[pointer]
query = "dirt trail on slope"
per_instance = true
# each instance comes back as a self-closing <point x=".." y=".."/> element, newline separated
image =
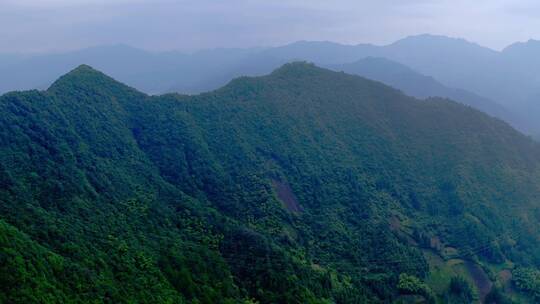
<point x="480" y="278"/>
<point x="286" y="195"/>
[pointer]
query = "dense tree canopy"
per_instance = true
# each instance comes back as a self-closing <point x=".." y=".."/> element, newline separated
<point x="303" y="186"/>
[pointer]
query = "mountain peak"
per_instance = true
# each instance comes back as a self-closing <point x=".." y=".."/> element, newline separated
<point x="439" y="42"/>
<point x="430" y="37"/>
<point x="296" y="68"/>
<point x="84" y="68"/>
<point x="531" y="46"/>
<point x="84" y="77"/>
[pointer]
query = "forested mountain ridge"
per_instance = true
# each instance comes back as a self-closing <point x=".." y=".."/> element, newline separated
<point x="420" y="86"/>
<point x="509" y="77"/>
<point x="302" y="186"/>
<point x="480" y="76"/>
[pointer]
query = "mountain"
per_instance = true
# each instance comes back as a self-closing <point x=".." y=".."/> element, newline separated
<point x="377" y="68"/>
<point x="301" y="186"/>
<point x="150" y="72"/>
<point x="322" y="52"/>
<point x="521" y="79"/>
<point x="415" y="84"/>
<point x="450" y="60"/>
<point x="509" y="77"/>
<point x="455" y="62"/>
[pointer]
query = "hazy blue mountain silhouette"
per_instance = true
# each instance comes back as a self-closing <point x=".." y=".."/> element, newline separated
<point x="421" y="86"/>
<point x="147" y="71"/>
<point x="509" y="77"/>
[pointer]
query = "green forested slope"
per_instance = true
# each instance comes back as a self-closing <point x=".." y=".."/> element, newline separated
<point x="302" y="186"/>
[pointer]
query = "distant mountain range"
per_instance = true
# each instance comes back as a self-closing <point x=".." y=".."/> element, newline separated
<point x="415" y="84"/>
<point x="476" y="75"/>
<point x="150" y="72"/>
<point x="510" y="77"/>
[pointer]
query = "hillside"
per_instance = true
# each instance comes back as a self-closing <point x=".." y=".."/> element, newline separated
<point x="302" y="186"/>
<point x="508" y="77"/>
<point x="420" y="86"/>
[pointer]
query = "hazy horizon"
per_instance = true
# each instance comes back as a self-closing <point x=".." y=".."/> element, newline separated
<point x="32" y="26"/>
<point x="255" y="47"/>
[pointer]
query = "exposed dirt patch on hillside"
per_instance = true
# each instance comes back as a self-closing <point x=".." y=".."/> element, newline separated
<point x="480" y="278"/>
<point x="286" y="195"/>
<point x="395" y="224"/>
<point x="435" y="243"/>
<point x="505" y="277"/>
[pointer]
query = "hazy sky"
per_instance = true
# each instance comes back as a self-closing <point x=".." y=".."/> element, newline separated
<point x="43" y="25"/>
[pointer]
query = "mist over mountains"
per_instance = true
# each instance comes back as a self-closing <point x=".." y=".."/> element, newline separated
<point x="150" y="72"/>
<point x="505" y="84"/>
<point x="418" y="85"/>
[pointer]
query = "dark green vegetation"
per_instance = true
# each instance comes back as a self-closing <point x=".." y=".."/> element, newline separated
<point x="420" y="86"/>
<point x="528" y="280"/>
<point x="303" y="186"/>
